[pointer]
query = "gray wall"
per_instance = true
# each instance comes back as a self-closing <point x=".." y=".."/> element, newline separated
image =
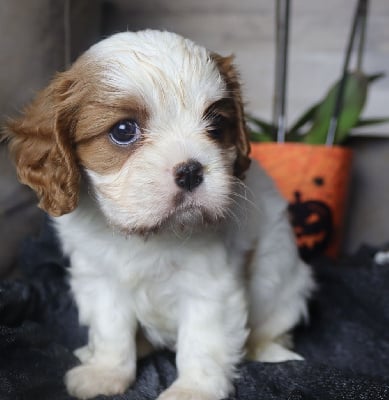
<point x="319" y="31"/>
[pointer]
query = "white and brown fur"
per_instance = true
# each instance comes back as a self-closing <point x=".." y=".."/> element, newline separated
<point x="212" y="273"/>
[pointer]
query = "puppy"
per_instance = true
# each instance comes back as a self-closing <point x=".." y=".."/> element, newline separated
<point x="139" y="152"/>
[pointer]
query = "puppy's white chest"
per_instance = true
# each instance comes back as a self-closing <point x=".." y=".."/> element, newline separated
<point x="156" y="307"/>
<point x="172" y="276"/>
<point x="180" y="278"/>
<point x="153" y="277"/>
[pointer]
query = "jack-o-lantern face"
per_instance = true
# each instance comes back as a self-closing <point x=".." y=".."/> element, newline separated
<point x="312" y="224"/>
<point x="314" y="180"/>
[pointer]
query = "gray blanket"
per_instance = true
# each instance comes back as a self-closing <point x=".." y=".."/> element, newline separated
<point x="346" y="344"/>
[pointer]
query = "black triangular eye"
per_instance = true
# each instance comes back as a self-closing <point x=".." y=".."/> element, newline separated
<point x="125" y="132"/>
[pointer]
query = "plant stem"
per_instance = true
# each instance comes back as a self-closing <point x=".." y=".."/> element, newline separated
<point x="362" y="39"/>
<point x="340" y="94"/>
<point x="282" y="39"/>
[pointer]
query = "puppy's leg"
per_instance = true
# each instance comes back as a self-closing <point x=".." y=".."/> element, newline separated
<point x="273" y="349"/>
<point x="210" y="342"/>
<point x="279" y="287"/>
<point x="269" y="340"/>
<point x="109" y="360"/>
<point x="84" y="354"/>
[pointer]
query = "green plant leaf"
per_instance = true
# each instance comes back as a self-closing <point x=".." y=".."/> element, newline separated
<point x="320" y="114"/>
<point x="293" y="134"/>
<point x="303" y="119"/>
<point x="262" y="124"/>
<point x="371" y="121"/>
<point x="260" y="137"/>
<point x="353" y="101"/>
<point x="374" y="77"/>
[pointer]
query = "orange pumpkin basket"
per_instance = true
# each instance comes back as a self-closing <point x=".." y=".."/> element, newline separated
<point x="315" y="181"/>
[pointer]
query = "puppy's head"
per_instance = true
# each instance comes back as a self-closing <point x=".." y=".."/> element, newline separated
<point x="152" y="121"/>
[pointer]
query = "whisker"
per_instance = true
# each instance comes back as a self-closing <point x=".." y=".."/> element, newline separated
<point x="248" y="201"/>
<point x="247" y="192"/>
<point x="234" y="218"/>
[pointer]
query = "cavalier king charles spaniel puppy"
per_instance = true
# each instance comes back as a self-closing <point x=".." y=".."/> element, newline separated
<point x="140" y="154"/>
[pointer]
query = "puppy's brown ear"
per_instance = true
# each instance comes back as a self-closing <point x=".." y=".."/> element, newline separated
<point x="231" y="77"/>
<point x="40" y="143"/>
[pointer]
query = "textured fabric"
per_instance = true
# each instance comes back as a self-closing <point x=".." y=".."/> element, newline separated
<point x="346" y="344"/>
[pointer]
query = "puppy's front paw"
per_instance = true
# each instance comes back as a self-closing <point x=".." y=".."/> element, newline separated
<point x="273" y="353"/>
<point x="87" y="381"/>
<point x="179" y="393"/>
<point x="84" y="354"/>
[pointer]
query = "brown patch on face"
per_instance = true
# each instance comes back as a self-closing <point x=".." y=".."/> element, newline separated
<point x="66" y="126"/>
<point x="95" y="150"/>
<point x="40" y="143"/>
<point x="222" y="118"/>
<point x="231" y="77"/>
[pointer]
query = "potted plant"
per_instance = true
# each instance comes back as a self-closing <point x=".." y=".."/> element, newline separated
<point x="307" y="161"/>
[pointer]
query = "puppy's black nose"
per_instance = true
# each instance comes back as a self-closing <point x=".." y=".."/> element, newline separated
<point x="188" y="175"/>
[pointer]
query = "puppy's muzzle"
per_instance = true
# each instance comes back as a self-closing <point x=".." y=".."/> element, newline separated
<point x="189" y="175"/>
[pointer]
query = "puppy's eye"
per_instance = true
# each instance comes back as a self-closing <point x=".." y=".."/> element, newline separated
<point x="125" y="132"/>
<point x="217" y="127"/>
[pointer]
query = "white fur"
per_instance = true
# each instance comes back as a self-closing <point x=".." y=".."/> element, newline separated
<point x="174" y="72"/>
<point x="184" y="285"/>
